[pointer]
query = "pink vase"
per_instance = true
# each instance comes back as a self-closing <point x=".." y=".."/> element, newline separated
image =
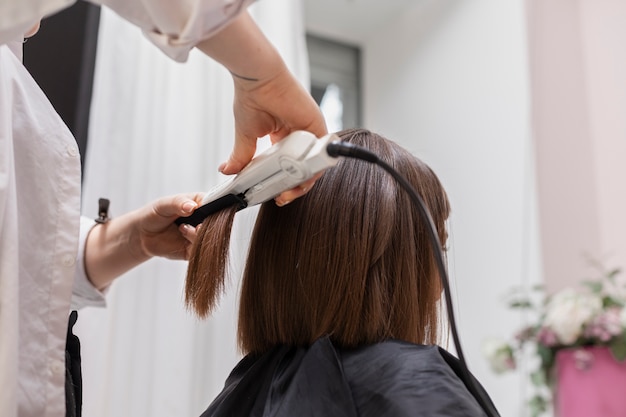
<point x="590" y="382"/>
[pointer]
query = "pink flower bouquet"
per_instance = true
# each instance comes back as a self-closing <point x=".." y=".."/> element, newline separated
<point x="593" y="314"/>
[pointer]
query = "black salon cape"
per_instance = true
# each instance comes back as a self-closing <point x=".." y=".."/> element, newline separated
<point x="392" y="378"/>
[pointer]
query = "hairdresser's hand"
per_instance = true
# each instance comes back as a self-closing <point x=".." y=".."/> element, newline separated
<point x="156" y="234"/>
<point x="268" y="98"/>
<point x="277" y="107"/>
<point x="124" y="242"/>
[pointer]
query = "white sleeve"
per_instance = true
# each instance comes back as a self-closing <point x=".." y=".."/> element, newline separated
<point x="84" y="293"/>
<point x="176" y="26"/>
<point x="17" y="16"/>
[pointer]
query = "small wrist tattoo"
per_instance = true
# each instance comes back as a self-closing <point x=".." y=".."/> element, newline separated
<point x="243" y="78"/>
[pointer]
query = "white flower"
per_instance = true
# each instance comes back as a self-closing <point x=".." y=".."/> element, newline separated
<point x="499" y="354"/>
<point x="568" y="311"/>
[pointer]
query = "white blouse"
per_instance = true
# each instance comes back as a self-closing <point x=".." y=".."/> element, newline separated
<point x="41" y="236"/>
<point x="39" y="240"/>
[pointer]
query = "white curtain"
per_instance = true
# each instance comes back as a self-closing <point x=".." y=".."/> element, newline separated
<point x="159" y="128"/>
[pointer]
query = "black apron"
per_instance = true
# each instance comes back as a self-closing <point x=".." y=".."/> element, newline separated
<point x="73" y="377"/>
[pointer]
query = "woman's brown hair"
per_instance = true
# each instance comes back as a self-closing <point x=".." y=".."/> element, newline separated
<point x="350" y="260"/>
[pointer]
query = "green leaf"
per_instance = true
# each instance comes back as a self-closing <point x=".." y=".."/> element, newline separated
<point x="609" y="301"/>
<point x="613" y="273"/>
<point x="537" y="405"/>
<point x="618" y="348"/>
<point x="547" y="356"/>
<point x="538" y="378"/>
<point x="521" y="304"/>
<point x="594" y="286"/>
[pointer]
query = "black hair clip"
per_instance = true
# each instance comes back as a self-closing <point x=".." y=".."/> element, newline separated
<point x="204" y="211"/>
<point x="103" y="210"/>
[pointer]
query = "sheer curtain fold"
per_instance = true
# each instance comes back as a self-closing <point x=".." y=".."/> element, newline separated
<point x="159" y="128"/>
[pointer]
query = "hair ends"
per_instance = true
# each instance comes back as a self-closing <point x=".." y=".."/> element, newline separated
<point x="207" y="269"/>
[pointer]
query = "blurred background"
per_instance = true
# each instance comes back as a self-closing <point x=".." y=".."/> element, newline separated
<point x="518" y="106"/>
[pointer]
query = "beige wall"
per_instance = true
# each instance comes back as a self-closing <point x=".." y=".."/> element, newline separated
<point x="578" y="93"/>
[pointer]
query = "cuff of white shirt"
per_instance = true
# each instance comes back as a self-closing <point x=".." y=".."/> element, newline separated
<point x="84" y="293"/>
<point x="208" y="19"/>
<point x="17" y="17"/>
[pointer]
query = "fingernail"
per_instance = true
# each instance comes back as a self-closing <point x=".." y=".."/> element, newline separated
<point x="188" y="206"/>
<point x="186" y="229"/>
<point x="222" y="167"/>
<point x="281" y="203"/>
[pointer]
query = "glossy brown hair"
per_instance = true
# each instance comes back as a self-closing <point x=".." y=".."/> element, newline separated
<point x="350" y="260"/>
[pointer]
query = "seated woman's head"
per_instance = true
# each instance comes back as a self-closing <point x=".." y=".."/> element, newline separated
<point x="350" y="260"/>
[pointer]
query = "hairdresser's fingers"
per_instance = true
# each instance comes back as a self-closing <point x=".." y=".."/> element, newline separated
<point x="177" y="205"/>
<point x="155" y="231"/>
<point x="297" y="192"/>
<point x="252" y="121"/>
<point x="242" y="154"/>
<point x="189" y="232"/>
<point x="162" y="212"/>
<point x="276" y="106"/>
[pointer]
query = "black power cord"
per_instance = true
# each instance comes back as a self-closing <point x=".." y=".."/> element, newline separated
<point x="336" y="149"/>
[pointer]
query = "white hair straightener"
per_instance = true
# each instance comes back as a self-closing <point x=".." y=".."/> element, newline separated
<point x="288" y="163"/>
